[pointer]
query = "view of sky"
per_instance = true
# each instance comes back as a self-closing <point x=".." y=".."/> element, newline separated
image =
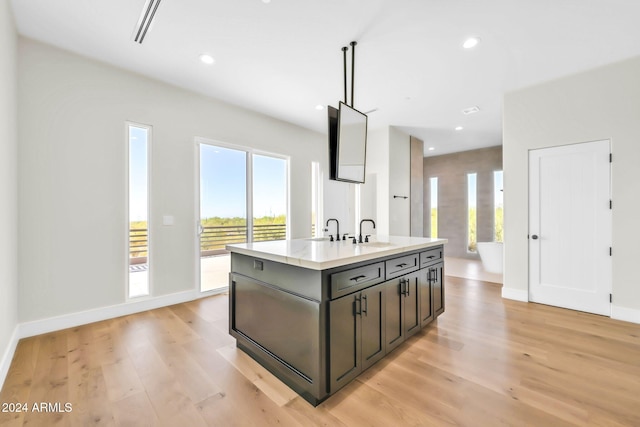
<point x="223" y="183"/>
<point x="498" y="186"/>
<point x="434" y="191"/>
<point x="471" y="189"/>
<point x="138" y="174"/>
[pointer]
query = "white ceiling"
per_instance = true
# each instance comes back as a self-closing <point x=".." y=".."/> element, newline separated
<point x="284" y="57"/>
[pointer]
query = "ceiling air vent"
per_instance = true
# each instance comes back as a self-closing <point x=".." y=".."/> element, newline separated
<point x="145" y="20"/>
<point x="470" y="110"/>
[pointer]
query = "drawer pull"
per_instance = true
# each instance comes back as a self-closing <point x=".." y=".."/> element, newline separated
<point x="431" y="256"/>
<point x="358" y="278"/>
<point x="404" y="264"/>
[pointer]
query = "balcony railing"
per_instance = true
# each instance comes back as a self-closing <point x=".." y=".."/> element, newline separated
<point x="213" y="239"/>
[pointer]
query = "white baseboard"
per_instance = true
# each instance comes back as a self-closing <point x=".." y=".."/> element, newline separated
<point x="43" y="326"/>
<point x="624" y="313"/>
<point x="7" y="357"/>
<point x="515" y="294"/>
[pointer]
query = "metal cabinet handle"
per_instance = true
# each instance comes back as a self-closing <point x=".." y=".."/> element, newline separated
<point x="534" y="237"/>
<point x="401" y="265"/>
<point x="431" y="256"/>
<point x="366" y="304"/>
<point x="408" y="287"/>
<point x="358" y="278"/>
<point x="358" y="310"/>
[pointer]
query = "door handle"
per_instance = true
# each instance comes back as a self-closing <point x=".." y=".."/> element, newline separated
<point x="366" y="305"/>
<point x="534" y="237"/>
<point x="200" y="230"/>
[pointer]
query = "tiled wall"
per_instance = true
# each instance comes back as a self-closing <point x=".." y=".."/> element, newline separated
<point x="452" y="170"/>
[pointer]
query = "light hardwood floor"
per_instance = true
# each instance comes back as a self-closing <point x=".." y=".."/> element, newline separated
<point x="485" y="362"/>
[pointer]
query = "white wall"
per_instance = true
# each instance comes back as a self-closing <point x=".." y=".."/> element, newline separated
<point x="378" y="168"/>
<point x="8" y="189"/>
<point x="339" y="203"/>
<point x="603" y="103"/>
<point x="399" y="182"/>
<point x="388" y="159"/>
<point x="72" y="114"/>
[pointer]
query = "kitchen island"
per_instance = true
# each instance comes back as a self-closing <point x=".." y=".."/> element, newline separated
<point x="317" y="313"/>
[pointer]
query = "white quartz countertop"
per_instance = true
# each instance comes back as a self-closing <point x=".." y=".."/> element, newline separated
<point x="321" y="254"/>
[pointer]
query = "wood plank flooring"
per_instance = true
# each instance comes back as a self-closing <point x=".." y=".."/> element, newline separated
<point x="485" y="362"/>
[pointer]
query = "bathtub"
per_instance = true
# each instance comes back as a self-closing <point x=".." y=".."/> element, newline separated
<point x="491" y="256"/>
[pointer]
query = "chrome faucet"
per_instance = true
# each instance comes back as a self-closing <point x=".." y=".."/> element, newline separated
<point x="337" y="228"/>
<point x="365" y="220"/>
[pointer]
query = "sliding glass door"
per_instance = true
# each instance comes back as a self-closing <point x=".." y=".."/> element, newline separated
<point x="243" y="198"/>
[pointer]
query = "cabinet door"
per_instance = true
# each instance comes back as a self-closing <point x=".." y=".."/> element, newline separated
<point x="394" y="325"/>
<point x="426" y="290"/>
<point x="411" y="316"/>
<point x="372" y="325"/>
<point x="274" y="319"/>
<point x="344" y="340"/>
<point x="437" y="283"/>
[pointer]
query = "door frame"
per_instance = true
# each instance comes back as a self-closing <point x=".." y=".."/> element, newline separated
<point x="250" y="151"/>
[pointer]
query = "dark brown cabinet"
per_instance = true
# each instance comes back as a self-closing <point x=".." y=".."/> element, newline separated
<point x="357" y="334"/>
<point x="437" y="279"/>
<point x="402" y="309"/>
<point x="317" y="330"/>
<point x="426" y="297"/>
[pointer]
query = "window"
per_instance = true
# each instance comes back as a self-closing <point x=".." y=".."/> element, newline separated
<point x="139" y="137"/>
<point x="498" y="209"/>
<point x="471" y="207"/>
<point x="434" y="206"/>
<point x="316" y="200"/>
<point x="269" y="198"/>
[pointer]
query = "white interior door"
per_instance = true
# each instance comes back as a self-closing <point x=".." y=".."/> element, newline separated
<point x="570" y="227"/>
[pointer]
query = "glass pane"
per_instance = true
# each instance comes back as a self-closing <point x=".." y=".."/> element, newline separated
<point x="315" y="173"/>
<point x="471" y="204"/>
<point x="498" y="206"/>
<point x="434" y="207"/>
<point x="138" y="212"/>
<point x="223" y="207"/>
<point x="269" y="198"/>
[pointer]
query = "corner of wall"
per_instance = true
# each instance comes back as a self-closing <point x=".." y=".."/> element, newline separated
<point x="8" y="189"/>
<point x="7" y="357"/>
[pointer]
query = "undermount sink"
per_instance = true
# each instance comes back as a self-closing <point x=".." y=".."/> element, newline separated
<point x="377" y="244"/>
<point x="318" y="239"/>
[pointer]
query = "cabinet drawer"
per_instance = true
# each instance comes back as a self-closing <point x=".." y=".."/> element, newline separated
<point x="345" y="282"/>
<point x="430" y="256"/>
<point x="399" y="266"/>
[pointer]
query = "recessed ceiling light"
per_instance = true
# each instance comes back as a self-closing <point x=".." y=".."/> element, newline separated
<point x="459" y="128"/>
<point x="470" y="110"/>
<point x="432" y="148"/>
<point x="471" y="42"/>
<point x="207" y="59"/>
<point x="319" y="107"/>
